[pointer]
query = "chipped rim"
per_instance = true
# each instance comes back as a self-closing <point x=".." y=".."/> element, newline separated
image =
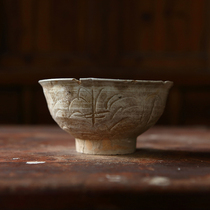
<point x="105" y="80"/>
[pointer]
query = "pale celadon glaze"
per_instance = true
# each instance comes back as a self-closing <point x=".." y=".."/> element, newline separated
<point x="105" y="115"/>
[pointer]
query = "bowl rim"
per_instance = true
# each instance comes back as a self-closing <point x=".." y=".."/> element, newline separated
<point x="104" y="80"/>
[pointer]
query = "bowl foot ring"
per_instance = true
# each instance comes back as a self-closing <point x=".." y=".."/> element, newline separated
<point x="106" y="146"/>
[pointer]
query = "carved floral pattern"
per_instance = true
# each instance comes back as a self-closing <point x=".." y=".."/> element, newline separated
<point x="99" y="109"/>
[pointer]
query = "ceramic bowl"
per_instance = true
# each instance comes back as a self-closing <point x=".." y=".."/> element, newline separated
<point x="105" y="115"/>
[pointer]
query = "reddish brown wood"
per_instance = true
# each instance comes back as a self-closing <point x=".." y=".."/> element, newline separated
<point x="170" y="169"/>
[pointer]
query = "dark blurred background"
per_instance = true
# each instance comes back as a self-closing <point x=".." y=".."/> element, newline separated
<point x="137" y="39"/>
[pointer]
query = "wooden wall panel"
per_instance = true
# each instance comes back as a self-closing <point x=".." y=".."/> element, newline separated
<point x="12" y="25"/>
<point x="170" y="26"/>
<point x="196" y="107"/>
<point x="139" y="39"/>
<point x="63" y="25"/>
<point x="43" y="39"/>
<point x="26" y="20"/>
<point x="10" y="111"/>
<point x="164" y="35"/>
<point x="146" y="35"/>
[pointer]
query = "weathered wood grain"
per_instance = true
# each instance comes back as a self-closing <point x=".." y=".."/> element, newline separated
<point x="170" y="169"/>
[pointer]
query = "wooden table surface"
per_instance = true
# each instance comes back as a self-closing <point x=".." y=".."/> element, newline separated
<point x="40" y="169"/>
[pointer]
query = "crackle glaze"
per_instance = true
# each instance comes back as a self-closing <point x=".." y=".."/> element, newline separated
<point x="105" y="115"/>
